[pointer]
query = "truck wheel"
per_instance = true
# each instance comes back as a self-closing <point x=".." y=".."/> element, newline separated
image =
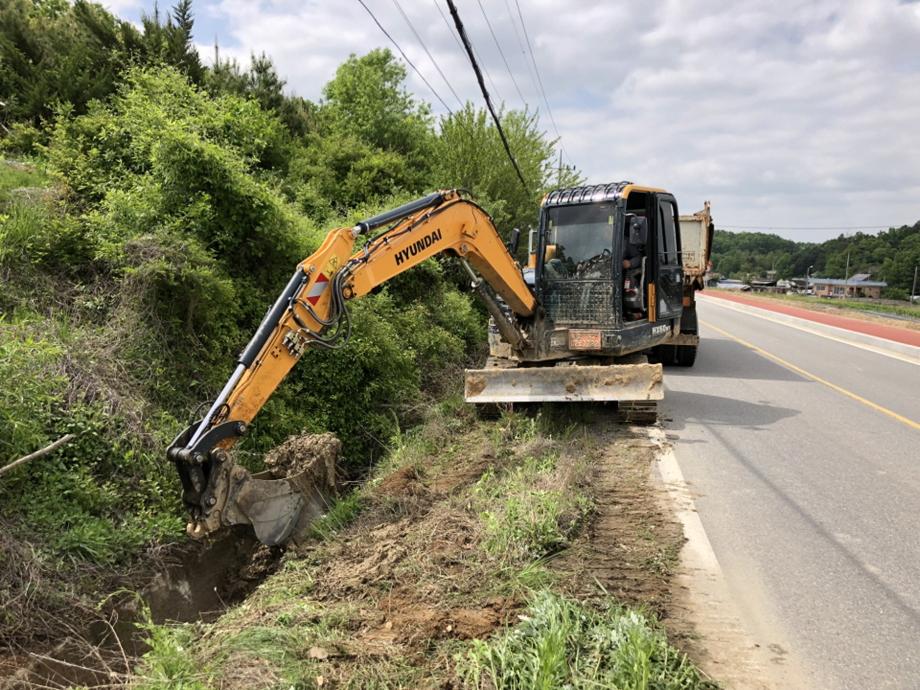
<point x="664" y="354"/>
<point x="686" y="355"/>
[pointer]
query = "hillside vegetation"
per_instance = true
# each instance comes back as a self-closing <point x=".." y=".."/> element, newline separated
<point x="150" y="211"/>
<point x="890" y="255"/>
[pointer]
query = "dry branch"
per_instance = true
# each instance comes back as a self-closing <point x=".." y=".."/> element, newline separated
<point x="37" y="454"/>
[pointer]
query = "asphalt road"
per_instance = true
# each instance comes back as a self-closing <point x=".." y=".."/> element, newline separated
<point x="809" y="492"/>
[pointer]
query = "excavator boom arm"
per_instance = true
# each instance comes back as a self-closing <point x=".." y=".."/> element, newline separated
<point x="312" y="312"/>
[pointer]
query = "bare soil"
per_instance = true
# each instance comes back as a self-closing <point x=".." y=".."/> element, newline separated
<point x="630" y="548"/>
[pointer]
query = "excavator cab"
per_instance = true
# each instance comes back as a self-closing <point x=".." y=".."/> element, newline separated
<point x="607" y="277"/>
<point x="607" y="265"/>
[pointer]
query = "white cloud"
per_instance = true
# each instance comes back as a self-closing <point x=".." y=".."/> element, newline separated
<point x="120" y="7"/>
<point x="783" y="113"/>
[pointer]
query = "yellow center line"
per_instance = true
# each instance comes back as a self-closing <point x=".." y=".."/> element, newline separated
<point x="807" y="374"/>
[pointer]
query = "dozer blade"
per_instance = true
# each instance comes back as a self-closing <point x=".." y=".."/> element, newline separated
<point x="573" y="383"/>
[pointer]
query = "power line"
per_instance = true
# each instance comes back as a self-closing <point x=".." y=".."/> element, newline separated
<point x="501" y="52"/>
<point x="485" y="94"/>
<point x="427" y="52"/>
<point x="450" y="29"/>
<point x="406" y="57"/>
<point x="539" y="80"/>
<point x="517" y="35"/>
<point x="453" y="34"/>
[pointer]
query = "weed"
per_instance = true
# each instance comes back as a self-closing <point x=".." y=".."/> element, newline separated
<point x="16" y="175"/>
<point x="562" y="644"/>
<point x="340" y="515"/>
<point x="169" y="664"/>
<point x="522" y="518"/>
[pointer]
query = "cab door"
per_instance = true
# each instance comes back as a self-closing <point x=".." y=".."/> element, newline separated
<point x="668" y="289"/>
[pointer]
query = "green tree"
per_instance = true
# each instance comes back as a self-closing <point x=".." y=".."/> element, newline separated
<point x="469" y="154"/>
<point x="369" y="140"/>
<point x="53" y="53"/>
<point x="368" y="99"/>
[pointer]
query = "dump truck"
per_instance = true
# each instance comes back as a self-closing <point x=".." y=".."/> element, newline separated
<point x="604" y="286"/>
<point x="696" y="231"/>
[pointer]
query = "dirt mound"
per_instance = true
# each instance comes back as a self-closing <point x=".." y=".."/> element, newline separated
<point x="406" y="481"/>
<point x="314" y="454"/>
<point x="407" y="620"/>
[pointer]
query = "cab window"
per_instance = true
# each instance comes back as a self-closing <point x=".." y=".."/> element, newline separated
<point x="667" y="234"/>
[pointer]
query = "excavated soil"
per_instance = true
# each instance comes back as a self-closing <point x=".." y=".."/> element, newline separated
<point x="313" y="454"/>
<point x="191" y="581"/>
<point x="630" y="548"/>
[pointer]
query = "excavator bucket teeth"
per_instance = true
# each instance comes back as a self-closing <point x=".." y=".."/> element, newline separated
<point x="573" y="383"/>
<point x="280" y="503"/>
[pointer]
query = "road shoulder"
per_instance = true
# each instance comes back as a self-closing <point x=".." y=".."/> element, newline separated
<point x="705" y="613"/>
<point x="879" y="345"/>
<point x="853" y="324"/>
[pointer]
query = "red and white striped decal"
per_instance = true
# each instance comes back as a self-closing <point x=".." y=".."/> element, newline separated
<point x="316" y="290"/>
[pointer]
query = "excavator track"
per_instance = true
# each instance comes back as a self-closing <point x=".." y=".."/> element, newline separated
<point x="640" y="412"/>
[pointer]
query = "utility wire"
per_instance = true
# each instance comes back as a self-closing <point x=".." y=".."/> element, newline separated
<point x="539" y="80"/>
<point x="406" y="57"/>
<point x="520" y="42"/>
<point x="485" y="94"/>
<point x="453" y="34"/>
<point x="427" y="52"/>
<point x="450" y="29"/>
<point x="501" y="52"/>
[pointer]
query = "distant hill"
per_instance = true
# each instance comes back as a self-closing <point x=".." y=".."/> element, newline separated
<point x="890" y="255"/>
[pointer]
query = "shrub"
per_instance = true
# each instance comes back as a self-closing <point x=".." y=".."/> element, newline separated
<point x="32" y="384"/>
<point x="21" y="139"/>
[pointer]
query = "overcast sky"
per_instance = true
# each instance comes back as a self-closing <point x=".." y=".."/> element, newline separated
<point x="781" y="113"/>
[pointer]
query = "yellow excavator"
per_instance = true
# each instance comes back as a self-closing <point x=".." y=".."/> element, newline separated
<point x="603" y="283"/>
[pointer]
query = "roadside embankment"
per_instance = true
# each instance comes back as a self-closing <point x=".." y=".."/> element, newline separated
<point x="528" y="551"/>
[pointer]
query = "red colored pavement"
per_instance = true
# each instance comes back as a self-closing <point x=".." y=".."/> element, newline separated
<point x="900" y="335"/>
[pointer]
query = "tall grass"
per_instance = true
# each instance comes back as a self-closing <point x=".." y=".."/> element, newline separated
<point x="524" y="514"/>
<point x="562" y="644"/>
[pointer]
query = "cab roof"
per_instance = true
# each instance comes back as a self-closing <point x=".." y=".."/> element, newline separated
<point x="594" y="193"/>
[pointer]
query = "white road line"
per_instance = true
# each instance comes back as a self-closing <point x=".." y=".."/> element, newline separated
<point x="731" y="655"/>
<point x="757" y="312"/>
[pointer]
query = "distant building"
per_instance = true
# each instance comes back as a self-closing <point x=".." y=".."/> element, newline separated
<point x="858" y="285"/>
<point x="769" y="284"/>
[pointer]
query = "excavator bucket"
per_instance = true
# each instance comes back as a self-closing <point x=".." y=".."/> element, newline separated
<point x="279" y="503"/>
<point x="569" y="383"/>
